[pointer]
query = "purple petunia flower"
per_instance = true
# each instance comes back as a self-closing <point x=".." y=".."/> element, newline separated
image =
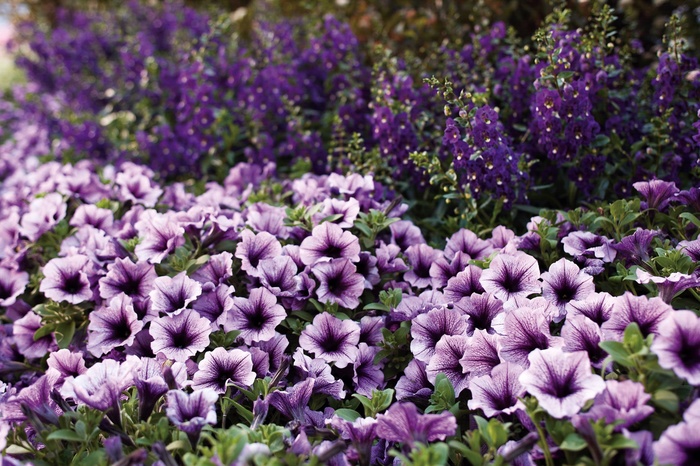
<point x="12" y="284"/>
<point x="656" y="193"/>
<point x="388" y="260"/>
<point x="181" y="336"/>
<point x="565" y="282"/>
<point x="113" y="325"/>
<point x="670" y="286"/>
<point x="331" y="339"/>
<point x="498" y="392"/>
<point x="43" y="214"/>
<point x="367" y="376"/>
<point x="634" y="248"/>
<point x="403" y="423"/>
<point x="427" y="329"/>
<point x="511" y="276"/>
<point x="293" y="403"/>
<point x="253" y="248"/>
<point x="597" y="306"/>
<point x="677" y="345"/>
<point x="464" y="284"/>
<point x="645" y="312"/>
<point x="679" y="444"/>
<point x="65" y="363"/>
<point x="421" y="257"/>
<point x="123" y="276"/>
<point x="172" y="295"/>
<point x="449" y="352"/>
<point x="215" y="305"/>
<point x="220" y="367"/>
<point x="24" y="329"/>
<point x="90" y="214"/>
<point x="405" y="234"/>
<point x="256" y="316"/>
<point x="149" y="378"/>
<point x="582" y="334"/>
<point x="339" y="283"/>
<point x="329" y="241"/>
<point x="320" y="371"/>
<point x="526" y="329"/>
<point x="482" y="309"/>
<point x="161" y="235"/>
<point x="65" y="280"/>
<point x="621" y="401"/>
<point x="467" y="242"/>
<point x="347" y="209"/>
<point x="215" y="272"/>
<point x="441" y="271"/>
<point x="561" y="382"/>
<point x="191" y="412"/>
<point x="278" y="275"/>
<point x="481" y="354"/>
<point x="361" y="433"/>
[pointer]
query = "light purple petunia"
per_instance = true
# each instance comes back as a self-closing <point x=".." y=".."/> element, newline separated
<point x="24" y="330"/>
<point x="621" y="401"/>
<point x="43" y="214"/>
<point x="597" y="306"/>
<point x="421" y="257"/>
<point x="134" y="182"/>
<point x="414" y="384"/>
<point x="172" y="295"/>
<point x="512" y="275"/>
<point x="361" y="433"/>
<point x="498" y="392"/>
<point x="215" y="305"/>
<point x="428" y="328"/>
<point x="679" y="445"/>
<point x="481" y="354"/>
<point x="464" y="284"/>
<point x="442" y="270"/>
<point x="467" y="242"/>
<point x="645" y="312"/>
<point x="482" y="309"/>
<point x="160" y="236"/>
<point x="670" y="286"/>
<point x="65" y="363"/>
<point x="90" y="214"/>
<point x="339" y="283"/>
<point x="347" y="209"/>
<point x="278" y="275"/>
<point x="656" y="193"/>
<point x="329" y="241"/>
<point x="582" y="334"/>
<point x="181" y="336"/>
<point x="449" y="352"/>
<point x="388" y="260"/>
<point x="123" y="276"/>
<point x="215" y="272"/>
<point x="634" y="248"/>
<point x="320" y="371"/>
<point x="150" y="380"/>
<point x="565" y="282"/>
<point x="256" y="316"/>
<point x="584" y="244"/>
<point x="190" y="412"/>
<point x="293" y="402"/>
<point x="367" y="267"/>
<point x="65" y="280"/>
<point x="220" y="368"/>
<point x="525" y="330"/>
<point x="12" y="284"/>
<point x="561" y="382"/>
<point x="405" y="234"/>
<point x="677" y="345"/>
<point x="403" y="423"/>
<point x="113" y="325"/>
<point x="331" y="339"/>
<point x="253" y="248"/>
<point x="367" y="376"/>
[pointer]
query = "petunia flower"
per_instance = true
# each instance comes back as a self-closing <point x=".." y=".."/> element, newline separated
<point x="677" y="345"/>
<point x="278" y="275"/>
<point x="332" y="339"/>
<point x="215" y="305"/>
<point x="525" y="330"/>
<point x="482" y="309"/>
<point x="348" y="210"/>
<point x="413" y="385"/>
<point x="215" y="272"/>
<point x="150" y="380"/>
<point x="421" y="257"/>
<point x="670" y="286"/>
<point x="511" y="276"/>
<point x="404" y="424"/>
<point x="467" y="242"/>
<point x="160" y="236"/>
<point x="339" y="283"/>
<point x="561" y="382"/>
<point x="293" y="402"/>
<point x="90" y="214"/>
<point x="123" y="276"/>
<point x="481" y="354"/>
<point x="582" y="334"/>
<point x="42" y="215"/>
<point x="12" y="284"/>
<point x="319" y="370"/>
<point x="498" y="392"/>
<point x="23" y="331"/>
<point x="361" y="433"/>
<point x="448" y="353"/>
<point x="172" y="295"/>
<point x="65" y="280"/>
<point x="634" y="248"/>
<point x="329" y="241"/>
<point x="113" y="325"/>
<point x="367" y="375"/>
<point x="428" y="328"/>
<point x="256" y="316"/>
<point x="64" y="364"/>
<point x="405" y="234"/>
<point x="656" y="193"/>
<point x="624" y="401"/>
<point x="220" y="367"/>
<point x="597" y="306"/>
<point x="464" y="284"/>
<point x="191" y="412"/>
<point x="646" y="312"/>
<point x="565" y="282"/>
<point x="679" y="444"/>
<point x="181" y="336"/>
<point x="253" y="248"/>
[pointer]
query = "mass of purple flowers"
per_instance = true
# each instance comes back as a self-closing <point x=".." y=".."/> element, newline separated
<point x="213" y="251"/>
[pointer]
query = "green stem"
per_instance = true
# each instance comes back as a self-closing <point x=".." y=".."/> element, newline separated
<point x="545" y="447"/>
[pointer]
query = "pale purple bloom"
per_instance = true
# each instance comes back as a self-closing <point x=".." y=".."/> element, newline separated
<point x="414" y="384"/>
<point x="332" y="339"/>
<point x="526" y="329"/>
<point x="274" y="348"/>
<point x="361" y="433"/>
<point x="215" y="272"/>
<point x="256" y="316"/>
<point x="656" y="193"/>
<point x="690" y="249"/>
<point x="405" y="234"/>
<point x="643" y="455"/>
<point x="481" y="354"/>
<point x="113" y="325"/>
<point x="677" y="344"/>
<point x="561" y="382"/>
<point x="64" y="364"/>
<point x="172" y="295"/>
<point x="220" y="368"/>
<point x="498" y="392"/>
<point x="679" y="445"/>
<point x="12" y="284"/>
<point x="670" y="286"/>
<point x="339" y="283"/>
<point x="320" y="371"/>
<point x="467" y="242"/>
<point x="215" y="305"/>
<point x="482" y="309"/>
<point x="329" y="241"/>
<point x="634" y="248"/>
<point x="403" y="423"/>
<point x="191" y="412"/>
<point x="253" y="248"/>
<point x="367" y="376"/>
<point x="149" y="378"/>
<point x="348" y="209"/>
<point x="65" y="280"/>
<point x="582" y="334"/>
<point x="597" y="306"/>
<point x="621" y="401"/>
<point x="388" y="260"/>
<point x="442" y="270"/>
<point x="565" y="282"/>
<point x="501" y="237"/>
<point x="278" y="275"/>
<point x="421" y="257"/>
<point x="427" y="329"/>
<point x="371" y="330"/>
<point x="160" y="236"/>
<point x="181" y="336"/>
<point x="465" y="283"/>
<point x="43" y="214"/>
<point x="134" y="184"/>
<point x="584" y="244"/>
<point x="449" y="352"/>
<point x="367" y="267"/>
<point x="268" y="218"/>
<point x="511" y="276"/>
<point x="23" y="331"/>
<point x="293" y="402"/>
<point x="645" y="312"/>
<point x="90" y="214"/>
<point x="36" y="397"/>
<point x="123" y="276"/>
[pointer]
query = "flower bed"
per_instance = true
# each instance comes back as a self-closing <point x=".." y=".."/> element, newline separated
<point x="163" y="304"/>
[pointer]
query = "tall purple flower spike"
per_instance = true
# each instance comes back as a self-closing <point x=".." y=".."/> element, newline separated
<point x="561" y="382"/>
<point x="329" y="241"/>
<point x="256" y="316"/>
<point x="498" y="392"/>
<point x="404" y="424"/>
<point x="65" y="280"/>
<point x="113" y="325"/>
<point x="220" y="367"/>
<point x="332" y="339"/>
<point x="181" y="336"/>
<point x="678" y="345"/>
<point x="172" y="295"/>
<point x="512" y="276"/>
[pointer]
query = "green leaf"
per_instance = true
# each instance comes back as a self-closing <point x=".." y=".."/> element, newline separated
<point x="618" y="352"/>
<point x="65" y="434"/>
<point x="376" y="307"/>
<point x="691" y="218"/>
<point x="64" y="333"/>
<point x="573" y="442"/>
<point x="347" y="414"/>
<point x="620" y="442"/>
<point x="43" y="331"/>
<point x="666" y="400"/>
